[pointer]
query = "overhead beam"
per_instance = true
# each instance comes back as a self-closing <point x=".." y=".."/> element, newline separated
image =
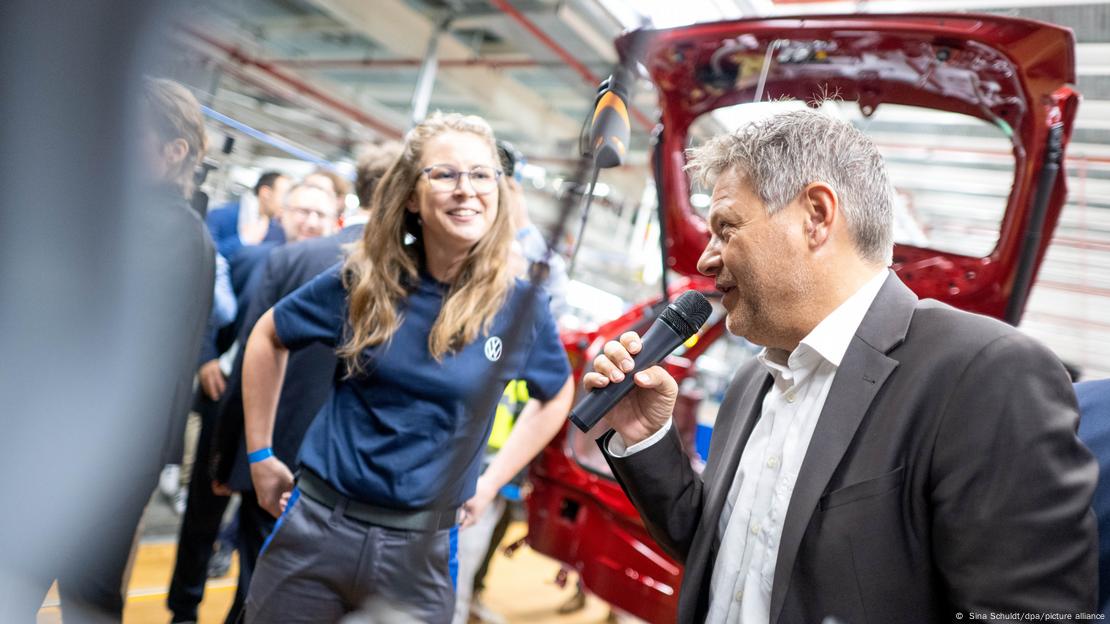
<point x="405" y="32"/>
<point x="587" y="75"/>
<point x="296" y="88"/>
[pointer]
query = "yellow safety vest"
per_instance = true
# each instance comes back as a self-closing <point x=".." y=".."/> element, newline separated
<point x="508" y="408"/>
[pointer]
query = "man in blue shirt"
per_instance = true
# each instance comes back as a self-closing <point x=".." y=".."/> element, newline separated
<point x="1094" y="430"/>
<point x="224" y="221"/>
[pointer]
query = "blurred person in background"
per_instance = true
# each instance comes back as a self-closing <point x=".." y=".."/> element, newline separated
<point x="306" y="215"/>
<point x="331" y="181"/>
<point x="1094" y="430"/>
<point x="309" y="212"/>
<point x="172" y="142"/>
<point x="419" y="313"/>
<point x="478" y="543"/>
<point x="171" y="483"/>
<point x="231" y="233"/>
<point x="528" y="241"/>
<point x="308" y="377"/>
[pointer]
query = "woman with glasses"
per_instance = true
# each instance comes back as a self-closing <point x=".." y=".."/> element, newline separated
<point x="430" y="327"/>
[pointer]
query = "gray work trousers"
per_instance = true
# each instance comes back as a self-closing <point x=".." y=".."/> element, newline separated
<point x="322" y="566"/>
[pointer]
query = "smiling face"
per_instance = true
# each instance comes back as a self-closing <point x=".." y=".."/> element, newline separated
<point x="757" y="261"/>
<point x="309" y="213"/>
<point x="452" y="222"/>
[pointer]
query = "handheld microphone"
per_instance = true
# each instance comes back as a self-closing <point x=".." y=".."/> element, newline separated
<point x="677" y="322"/>
<point x="610" y="129"/>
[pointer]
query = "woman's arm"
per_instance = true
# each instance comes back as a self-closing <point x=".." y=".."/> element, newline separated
<point x="537" y="424"/>
<point x="263" y="372"/>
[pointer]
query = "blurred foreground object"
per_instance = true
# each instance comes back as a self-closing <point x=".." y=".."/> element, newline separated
<point x="105" y="279"/>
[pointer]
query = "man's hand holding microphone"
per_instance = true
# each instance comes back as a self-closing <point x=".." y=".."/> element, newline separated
<point x="629" y="366"/>
<point x="649" y="405"/>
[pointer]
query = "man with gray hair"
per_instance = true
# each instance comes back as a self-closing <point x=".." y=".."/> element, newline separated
<point x="883" y="459"/>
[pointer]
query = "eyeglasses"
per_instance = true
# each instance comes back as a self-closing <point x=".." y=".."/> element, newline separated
<point x="445" y="178"/>
<point x="306" y="213"/>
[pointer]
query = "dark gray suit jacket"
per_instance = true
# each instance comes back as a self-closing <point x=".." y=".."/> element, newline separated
<point x="309" y="374"/>
<point x="944" y="475"/>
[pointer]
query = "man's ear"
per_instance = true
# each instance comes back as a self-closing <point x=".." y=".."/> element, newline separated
<point x="175" y="151"/>
<point x="822" y="211"/>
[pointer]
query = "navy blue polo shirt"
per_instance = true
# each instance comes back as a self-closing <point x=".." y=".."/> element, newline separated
<point x="404" y="434"/>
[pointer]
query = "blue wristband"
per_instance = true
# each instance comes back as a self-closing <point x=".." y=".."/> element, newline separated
<point x="259" y="455"/>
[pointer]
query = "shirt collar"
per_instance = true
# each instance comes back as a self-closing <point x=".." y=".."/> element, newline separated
<point x="362" y="217"/>
<point x="830" y="339"/>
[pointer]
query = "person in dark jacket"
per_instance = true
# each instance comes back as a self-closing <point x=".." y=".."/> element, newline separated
<point x="309" y="213"/>
<point x="178" y="252"/>
<point x="308" y="378"/>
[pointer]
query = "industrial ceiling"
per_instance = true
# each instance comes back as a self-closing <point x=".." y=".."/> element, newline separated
<point x="326" y="76"/>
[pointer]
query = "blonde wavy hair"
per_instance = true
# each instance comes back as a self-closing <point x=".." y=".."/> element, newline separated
<point x="383" y="269"/>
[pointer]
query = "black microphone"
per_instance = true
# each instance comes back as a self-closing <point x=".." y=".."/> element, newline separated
<point x="610" y="128"/>
<point x="677" y="322"/>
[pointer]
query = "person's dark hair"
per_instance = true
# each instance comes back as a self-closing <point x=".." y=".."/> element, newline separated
<point x="510" y="157"/>
<point x="267" y="179"/>
<point x="1074" y="372"/>
<point x="371" y="167"/>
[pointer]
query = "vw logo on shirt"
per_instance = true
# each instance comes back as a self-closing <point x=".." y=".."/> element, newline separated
<point x="493" y="349"/>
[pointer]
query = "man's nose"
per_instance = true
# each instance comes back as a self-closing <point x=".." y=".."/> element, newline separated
<point x="709" y="263"/>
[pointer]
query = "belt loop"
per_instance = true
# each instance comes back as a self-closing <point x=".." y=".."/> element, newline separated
<point x="338" y="511"/>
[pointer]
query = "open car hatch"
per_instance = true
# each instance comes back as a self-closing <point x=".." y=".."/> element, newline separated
<point x="972" y="114"/>
<point x="1005" y="77"/>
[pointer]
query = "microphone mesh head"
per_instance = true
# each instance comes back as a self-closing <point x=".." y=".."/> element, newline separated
<point x="687" y="313"/>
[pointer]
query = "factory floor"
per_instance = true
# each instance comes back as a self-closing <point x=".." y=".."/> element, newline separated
<point x="521" y="588"/>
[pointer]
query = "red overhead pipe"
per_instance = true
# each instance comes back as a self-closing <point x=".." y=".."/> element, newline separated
<point x="296" y="83"/>
<point x="531" y="27"/>
<point x="562" y="53"/>
<point x="340" y="63"/>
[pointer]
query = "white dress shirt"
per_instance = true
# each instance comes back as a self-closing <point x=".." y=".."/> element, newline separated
<point x="751" y="521"/>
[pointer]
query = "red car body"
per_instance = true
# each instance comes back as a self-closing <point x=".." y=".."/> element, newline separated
<point x="1015" y="74"/>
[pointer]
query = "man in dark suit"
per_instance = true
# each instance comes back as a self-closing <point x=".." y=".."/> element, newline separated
<point x="883" y="459"/>
<point x="176" y="278"/>
<point x="309" y="213"/>
<point x="308" y="378"/>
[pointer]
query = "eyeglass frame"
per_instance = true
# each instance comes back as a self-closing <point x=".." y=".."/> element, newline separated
<point x="308" y="213"/>
<point x="497" y="173"/>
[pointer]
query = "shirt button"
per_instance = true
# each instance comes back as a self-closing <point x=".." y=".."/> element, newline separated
<point x="740" y="596"/>
<point x="755" y="528"/>
<point x="773" y="462"/>
<point x="790" y="397"/>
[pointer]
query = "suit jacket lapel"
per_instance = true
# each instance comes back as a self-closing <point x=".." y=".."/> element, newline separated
<point x="859" y="377"/>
